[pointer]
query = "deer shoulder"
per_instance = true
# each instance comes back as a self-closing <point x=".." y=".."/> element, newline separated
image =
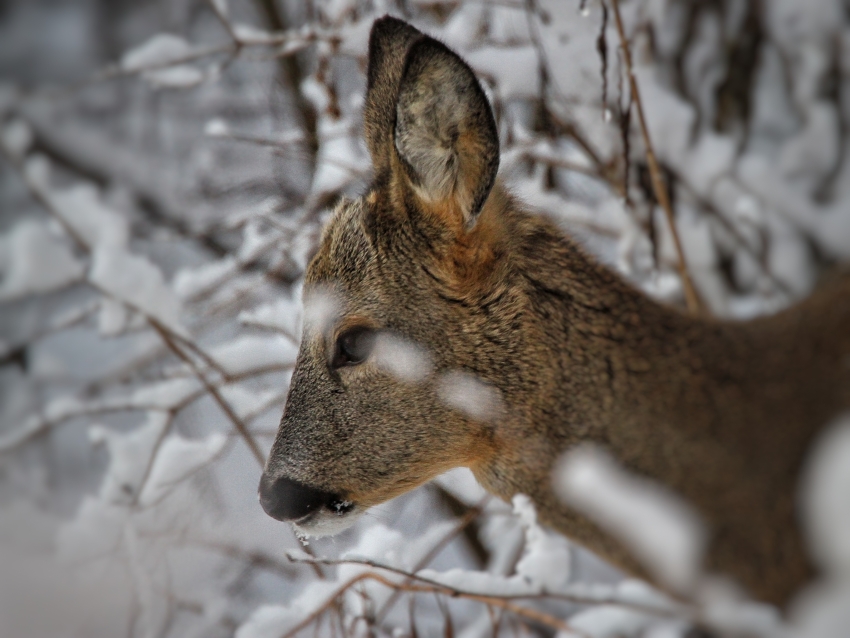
<point x="436" y="280"/>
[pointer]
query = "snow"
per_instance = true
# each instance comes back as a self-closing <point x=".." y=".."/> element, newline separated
<point x="82" y="208"/>
<point x="182" y="76"/>
<point x="660" y="529"/>
<point x="165" y="395"/>
<point x="221" y="7"/>
<point x="159" y="50"/>
<point x="273" y="621"/>
<point x="545" y="563"/>
<point x="339" y="154"/>
<point x="130" y="456"/>
<point x="216" y="127"/>
<point x="825" y="507"/>
<point x="136" y="281"/>
<point x="16" y="138"/>
<point x="254" y="352"/>
<point x="468" y="394"/>
<point x="248" y="34"/>
<point x="191" y="283"/>
<point x="177" y="459"/>
<point x="779" y="181"/>
<point x="514" y="70"/>
<point x="281" y="314"/>
<point x="33" y="260"/>
<point x="401" y="358"/>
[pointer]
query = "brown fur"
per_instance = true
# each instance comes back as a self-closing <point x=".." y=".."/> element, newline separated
<point x="721" y="412"/>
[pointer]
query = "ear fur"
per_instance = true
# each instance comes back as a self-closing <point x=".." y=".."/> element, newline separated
<point x="445" y="134"/>
<point x="389" y="42"/>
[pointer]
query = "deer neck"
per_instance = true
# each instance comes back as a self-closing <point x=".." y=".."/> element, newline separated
<point x="720" y="412"/>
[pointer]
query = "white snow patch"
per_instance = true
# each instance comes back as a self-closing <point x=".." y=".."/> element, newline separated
<point x="176" y="460"/>
<point x="281" y="314"/>
<point x="216" y="127"/>
<point x="249" y="34"/>
<point x="661" y="529"/>
<point x="130" y="454"/>
<point x="546" y="560"/>
<point x="36" y="261"/>
<point x="513" y="68"/>
<point x="190" y="283"/>
<point x="182" y="76"/>
<point x="825" y="486"/>
<point x="401" y="358"/>
<point x="138" y="282"/>
<point x="468" y="394"/>
<point x="274" y="621"/>
<point x="254" y="352"/>
<point x="81" y="207"/>
<point x="17" y="137"/>
<point x="159" y="50"/>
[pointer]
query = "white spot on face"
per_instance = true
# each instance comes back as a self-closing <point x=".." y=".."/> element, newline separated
<point x="468" y="394"/>
<point x="401" y="358"/>
<point x="321" y="306"/>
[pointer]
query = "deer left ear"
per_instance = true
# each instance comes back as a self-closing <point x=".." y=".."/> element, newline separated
<point x="445" y="134"/>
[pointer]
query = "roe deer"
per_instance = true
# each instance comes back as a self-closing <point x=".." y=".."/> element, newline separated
<point x="438" y="254"/>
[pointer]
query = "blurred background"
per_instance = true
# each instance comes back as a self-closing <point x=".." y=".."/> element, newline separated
<point x="165" y="169"/>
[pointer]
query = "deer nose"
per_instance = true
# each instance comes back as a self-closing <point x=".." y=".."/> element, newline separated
<point x="288" y="500"/>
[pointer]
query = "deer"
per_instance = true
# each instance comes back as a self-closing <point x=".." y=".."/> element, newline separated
<point x="437" y="253"/>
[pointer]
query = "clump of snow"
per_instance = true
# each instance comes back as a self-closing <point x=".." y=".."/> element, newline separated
<point x="17" y="137"/>
<point x="82" y="208"/>
<point x="114" y="317"/>
<point x="138" y="282"/>
<point x="216" y="127"/>
<point x="321" y="306"/>
<point x="33" y="260"/>
<point x="468" y="394"/>
<point x="253" y="352"/>
<point x="281" y="314"/>
<point x="249" y="34"/>
<point x="159" y="50"/>
<point x="546" y="561"/>
<point x="177" y="459"/>
<point x="165" y="395"/>
<point x="657" y="526"/>
<point x="190" y="283"/>
<point x="273" y="621"/>
<point x="401" y="358"/>
<point x="181" y="76"/>
<point x="339" y="154"/>
<point x="221" y="7"/>
<point x="513" y="68"/>
<point x="130" y="456"/>
<point x="825" y="506"/>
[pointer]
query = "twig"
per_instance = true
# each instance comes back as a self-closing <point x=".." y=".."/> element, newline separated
<point x="471" y="515"/>
<point x="240" y="426"/>
<point x="525" y="612"/>
<point x="692" y="299"/>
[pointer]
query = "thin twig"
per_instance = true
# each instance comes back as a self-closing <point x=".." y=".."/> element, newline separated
<point x="525" y="612"/>
<point x="692" y="299"/>
<point x="240" y="426"/>
<point x="473" y="513"/>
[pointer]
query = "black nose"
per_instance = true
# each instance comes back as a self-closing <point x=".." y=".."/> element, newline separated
<point x="288" y="500"/>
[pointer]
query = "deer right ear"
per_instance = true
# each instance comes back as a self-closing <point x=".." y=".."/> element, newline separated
<point x="445" y="134"/>
<point x="389" y="42"/>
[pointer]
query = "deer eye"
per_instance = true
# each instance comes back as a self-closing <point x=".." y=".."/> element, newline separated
<point x="353" y="347"/>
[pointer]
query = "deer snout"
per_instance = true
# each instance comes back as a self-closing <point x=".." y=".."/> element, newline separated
<point x="287" y="500"/>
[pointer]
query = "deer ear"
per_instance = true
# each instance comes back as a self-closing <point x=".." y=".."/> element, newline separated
<point x="389" y="42"/>
<point x="445" y="133"/>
